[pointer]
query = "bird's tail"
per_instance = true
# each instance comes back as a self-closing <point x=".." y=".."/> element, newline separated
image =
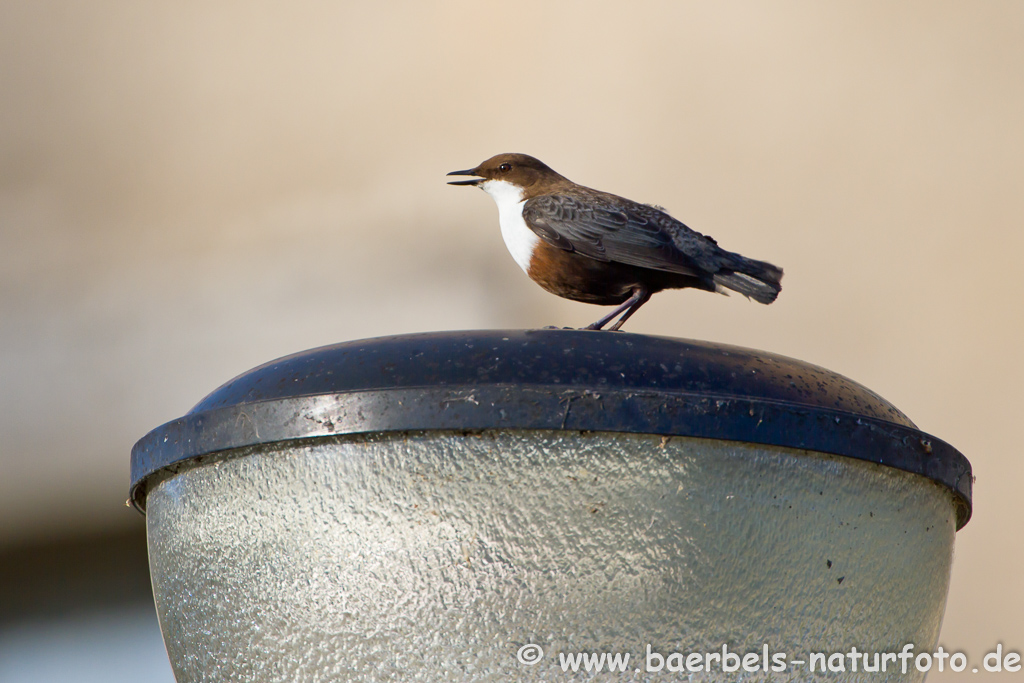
<point x="759" y="280"/>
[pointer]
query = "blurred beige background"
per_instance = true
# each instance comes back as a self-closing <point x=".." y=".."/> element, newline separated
<point x="190" y="189"/>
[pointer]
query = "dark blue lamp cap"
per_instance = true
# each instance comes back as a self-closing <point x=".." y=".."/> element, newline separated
<point x="550" y="379"/>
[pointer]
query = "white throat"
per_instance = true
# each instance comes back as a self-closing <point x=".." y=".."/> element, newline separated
<point x="519" y="239"/>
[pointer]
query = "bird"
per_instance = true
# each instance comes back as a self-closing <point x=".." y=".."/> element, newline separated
<point x="599" y="248"/>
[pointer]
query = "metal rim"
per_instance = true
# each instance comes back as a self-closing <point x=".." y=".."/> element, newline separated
<point x="419" y="382"/>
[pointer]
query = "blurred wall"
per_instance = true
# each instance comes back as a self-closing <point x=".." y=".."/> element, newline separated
<point x="190" y="189"/>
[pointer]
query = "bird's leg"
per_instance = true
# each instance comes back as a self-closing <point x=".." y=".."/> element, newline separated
<point x="639" y="298"/>
<point x="604" y="321"/>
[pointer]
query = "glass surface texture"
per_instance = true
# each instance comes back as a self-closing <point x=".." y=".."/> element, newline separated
<point x="437" y="556"/>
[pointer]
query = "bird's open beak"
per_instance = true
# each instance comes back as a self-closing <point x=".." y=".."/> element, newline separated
<point x="471" y="181"/>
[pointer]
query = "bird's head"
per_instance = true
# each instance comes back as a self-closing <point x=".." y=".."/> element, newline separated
<point x="530" y="175"/>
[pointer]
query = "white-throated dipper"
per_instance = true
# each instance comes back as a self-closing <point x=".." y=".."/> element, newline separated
<point x="598" y="248"/>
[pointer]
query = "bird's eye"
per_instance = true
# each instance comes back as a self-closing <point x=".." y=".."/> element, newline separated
<point x="505" y="167"/>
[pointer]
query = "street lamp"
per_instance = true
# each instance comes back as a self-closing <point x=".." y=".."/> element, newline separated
<point x="494" y="505"/>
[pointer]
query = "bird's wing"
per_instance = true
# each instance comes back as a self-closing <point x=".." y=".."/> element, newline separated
<point x="609" y="228"/>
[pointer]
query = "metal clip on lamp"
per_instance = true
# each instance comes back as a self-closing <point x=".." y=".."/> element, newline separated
<point x="420" y="507"/>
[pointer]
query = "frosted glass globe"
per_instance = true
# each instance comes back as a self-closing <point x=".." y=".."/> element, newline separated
<point x="492" y="555"/>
